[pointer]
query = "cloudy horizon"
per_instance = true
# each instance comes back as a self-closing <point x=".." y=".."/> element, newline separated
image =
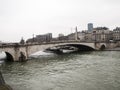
<point x="23" y="18"/>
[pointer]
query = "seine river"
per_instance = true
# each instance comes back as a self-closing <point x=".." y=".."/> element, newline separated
<point x="97" y="70"/>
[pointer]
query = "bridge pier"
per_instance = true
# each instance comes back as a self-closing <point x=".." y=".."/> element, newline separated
<point x="15" y="53"/>
<point x="22" y="57"/>
<point x="19" y="56"/>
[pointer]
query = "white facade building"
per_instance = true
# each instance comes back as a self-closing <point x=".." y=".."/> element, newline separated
<point x="116" y="34"/>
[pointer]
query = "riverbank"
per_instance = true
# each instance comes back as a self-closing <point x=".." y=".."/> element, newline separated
<point x="3" y="85"/>
<point x="113" y="49"/>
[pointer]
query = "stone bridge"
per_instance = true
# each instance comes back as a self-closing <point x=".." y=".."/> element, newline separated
<point x="18" y="52"/>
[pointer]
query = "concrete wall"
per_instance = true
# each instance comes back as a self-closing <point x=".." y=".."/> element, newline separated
<point x="111" y="45"/>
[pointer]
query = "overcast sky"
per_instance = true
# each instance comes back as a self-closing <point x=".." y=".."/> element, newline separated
<point x="23" y="18"/>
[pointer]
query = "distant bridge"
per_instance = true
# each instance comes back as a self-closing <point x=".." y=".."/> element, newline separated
<point x="19" y="52"/>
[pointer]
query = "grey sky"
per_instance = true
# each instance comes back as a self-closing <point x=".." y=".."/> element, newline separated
<point x="22" y="18"/>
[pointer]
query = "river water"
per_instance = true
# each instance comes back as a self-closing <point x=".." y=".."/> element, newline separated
<point x="97" y="70"/>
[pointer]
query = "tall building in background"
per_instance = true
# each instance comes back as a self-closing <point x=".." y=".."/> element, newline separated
<point x="90" y="27"/>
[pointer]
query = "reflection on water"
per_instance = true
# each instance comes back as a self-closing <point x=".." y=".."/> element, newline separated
<point x="75" y="71"/>
<point x="2" y="55"/>
<point x="41" y="53"/>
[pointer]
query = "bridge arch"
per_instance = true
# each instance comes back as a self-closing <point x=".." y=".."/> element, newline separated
<point x="9" y="57"/>
<point x="102" y="47"/>
<point x="83" y="47"/>
<point x="15" y="53"/>
<point x="80" y="47"/>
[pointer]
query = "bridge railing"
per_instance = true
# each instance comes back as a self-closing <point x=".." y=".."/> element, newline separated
<point x="42" y="43"/>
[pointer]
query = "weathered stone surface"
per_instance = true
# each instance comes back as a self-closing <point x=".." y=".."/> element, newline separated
<point x="22" y="52"/>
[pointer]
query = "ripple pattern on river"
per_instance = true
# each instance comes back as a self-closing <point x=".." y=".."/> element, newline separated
<point x="76" y="71"/>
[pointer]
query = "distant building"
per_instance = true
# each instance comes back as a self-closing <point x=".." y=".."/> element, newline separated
<point x="62" y="37"/>
<point x="90" y="27"/>
<point x="81" y="36"/>
<point x="88" y="36"/>
<point x="44" y="38"/>
<point x="101" y="34"/>
<point x="55" y="39"/>
<point x="0" y="43"/>
<point x="40" y="38"/>
<point x="116" y="34"/>
<point x="22" y="41"/>
<point x="31" y="40"/>
<point x="71" y="36"/>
